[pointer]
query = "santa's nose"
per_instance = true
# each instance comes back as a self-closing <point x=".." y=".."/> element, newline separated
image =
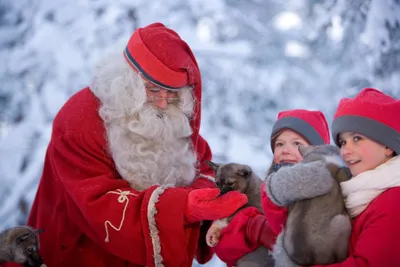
<point x="161" y="102"/>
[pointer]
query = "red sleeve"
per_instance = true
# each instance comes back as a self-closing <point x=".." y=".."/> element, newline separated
<point x="112" y="214"/>
<point x="378" y="242"/>
<point x="275" y="215"/>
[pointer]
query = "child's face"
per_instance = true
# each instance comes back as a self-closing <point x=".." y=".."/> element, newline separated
<point x="361" y="153"/>
<point x="286" y="147"/>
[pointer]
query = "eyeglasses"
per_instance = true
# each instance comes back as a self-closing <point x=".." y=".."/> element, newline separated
<point x="170" y="100"/>
<point x="154" y="94"/>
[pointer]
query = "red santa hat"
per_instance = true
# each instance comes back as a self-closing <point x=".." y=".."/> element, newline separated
<point x="160" y="56"/>
<point x="371" y="113"/>
<point x="312" y="125"/>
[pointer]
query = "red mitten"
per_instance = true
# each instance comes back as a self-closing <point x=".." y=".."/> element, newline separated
<point x="204" y="204"/>
<point x="233" y="243"/>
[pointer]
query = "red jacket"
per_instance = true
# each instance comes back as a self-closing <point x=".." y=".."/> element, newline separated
<point x="374" y="240"/>
<point x="92" y="217"/>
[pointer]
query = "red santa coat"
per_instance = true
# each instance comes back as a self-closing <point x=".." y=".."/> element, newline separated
<point x="92" y="217"/>
<point x="374" y="240"/>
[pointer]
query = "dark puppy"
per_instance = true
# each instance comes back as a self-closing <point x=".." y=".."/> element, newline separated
<point x="240" y="178"/>
<point x="21" y="244"/>
<point x="317" y="230"/>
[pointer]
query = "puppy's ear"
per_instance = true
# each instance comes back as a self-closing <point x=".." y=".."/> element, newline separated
<point x="213" y="165"/>
<point x="302" y="150"/>
<point x="35" y="231"/>
<point x="305" y="149"/>
<point x="38" y="231"/>
<point x="245" y="171"/>
<point x="343" y="174"/>
<point x="21" y="238"/>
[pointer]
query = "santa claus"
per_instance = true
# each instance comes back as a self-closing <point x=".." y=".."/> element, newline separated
<point x="124" y="180"/>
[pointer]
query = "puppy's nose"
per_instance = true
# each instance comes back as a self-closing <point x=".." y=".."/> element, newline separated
<point x="38" y="262"/>
<point x="224" y="190"/>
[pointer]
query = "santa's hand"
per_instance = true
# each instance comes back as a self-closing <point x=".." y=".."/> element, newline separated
<point x="205" y="204"/>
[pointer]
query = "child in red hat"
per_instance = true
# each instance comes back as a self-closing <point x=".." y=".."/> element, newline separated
<point x="250" y="229"/>
<point x="367" y="130"/>
<point x="292" y="128"/>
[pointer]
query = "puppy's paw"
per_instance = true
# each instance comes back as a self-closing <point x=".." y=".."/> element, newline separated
<point x="213" y="234"/>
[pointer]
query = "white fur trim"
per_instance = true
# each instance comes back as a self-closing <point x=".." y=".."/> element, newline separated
<point x="151" y="213"/>
<point x="209" y="177"/>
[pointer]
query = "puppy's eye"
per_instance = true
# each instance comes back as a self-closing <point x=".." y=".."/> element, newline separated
<point x="231" y="184"/>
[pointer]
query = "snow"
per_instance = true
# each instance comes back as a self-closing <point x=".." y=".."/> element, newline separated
<point x="287" y="21"/>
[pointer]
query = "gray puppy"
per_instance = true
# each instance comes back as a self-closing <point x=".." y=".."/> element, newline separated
<point x="20" y="244"/>
<point x="317" y="230"/>
<point x="240" y="178"/>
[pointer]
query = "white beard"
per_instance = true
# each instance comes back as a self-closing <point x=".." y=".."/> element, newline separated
<point x="149" y="146"/>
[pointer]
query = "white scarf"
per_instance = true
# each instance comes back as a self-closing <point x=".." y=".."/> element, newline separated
<point x="360" y="190"/>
